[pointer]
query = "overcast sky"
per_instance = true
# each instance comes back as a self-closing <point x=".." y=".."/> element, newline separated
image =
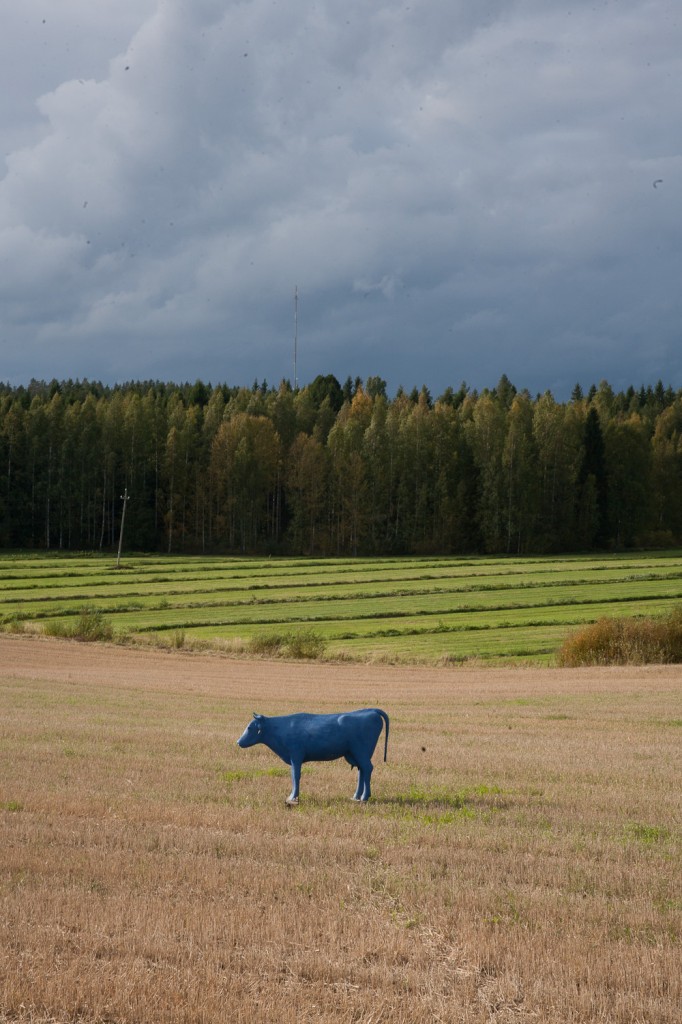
<point x="458" y="189"/>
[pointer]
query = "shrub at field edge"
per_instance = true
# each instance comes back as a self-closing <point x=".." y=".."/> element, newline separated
<point x="90" y="626"/>
<point x="622" y="641"/>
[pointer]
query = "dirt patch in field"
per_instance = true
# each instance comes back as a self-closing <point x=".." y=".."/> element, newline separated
<point x="69" y="661"/>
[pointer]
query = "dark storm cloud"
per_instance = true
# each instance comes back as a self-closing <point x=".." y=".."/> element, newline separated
<point x="458" y="190"/>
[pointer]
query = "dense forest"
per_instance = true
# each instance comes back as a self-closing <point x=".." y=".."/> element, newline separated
<point x="338" y="469"/>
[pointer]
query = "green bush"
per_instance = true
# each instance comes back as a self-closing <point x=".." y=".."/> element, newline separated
<point x="57" y="629"/>
<point x="306" y="644"/>
<point x="302" y="644"/>
<point x="623" y="641"/>
<point x="268" y="644"/>
<point x="89" y="627"/>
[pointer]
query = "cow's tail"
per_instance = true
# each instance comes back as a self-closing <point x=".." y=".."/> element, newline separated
<point x="385" y="718"/>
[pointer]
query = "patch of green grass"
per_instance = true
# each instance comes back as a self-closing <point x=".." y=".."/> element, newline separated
<point x="240" y="774"/>
<point x="11" y="805"/>
<point x="648" y="835"/>
<point x="417" y="796"/>
<point x="484" y="790"/>
<point x="506" y="911"/>
<point x="440" y="806"/>
<point x="235" y="775"/>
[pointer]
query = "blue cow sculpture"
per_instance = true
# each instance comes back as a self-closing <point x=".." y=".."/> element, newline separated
<point x="302" y="737"/>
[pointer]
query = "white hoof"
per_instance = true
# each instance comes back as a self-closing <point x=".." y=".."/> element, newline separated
<point x="292" y="802"/>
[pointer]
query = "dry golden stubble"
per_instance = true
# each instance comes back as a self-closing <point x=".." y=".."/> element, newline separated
<point x="520" y="860"/>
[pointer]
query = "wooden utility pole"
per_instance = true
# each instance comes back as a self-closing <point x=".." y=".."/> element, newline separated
<point x="123" y="519"/>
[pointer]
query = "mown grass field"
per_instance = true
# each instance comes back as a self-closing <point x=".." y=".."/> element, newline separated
<point x="396" y="609"/>
<point x="519" y="861"/>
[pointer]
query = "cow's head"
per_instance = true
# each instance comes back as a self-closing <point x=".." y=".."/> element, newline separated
<point x="253" y="732"/>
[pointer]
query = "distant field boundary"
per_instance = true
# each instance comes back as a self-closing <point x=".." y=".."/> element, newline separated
<point x="394" y="609"/>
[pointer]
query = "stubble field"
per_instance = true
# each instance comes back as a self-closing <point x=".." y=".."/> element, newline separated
<point x="520" y="860"/>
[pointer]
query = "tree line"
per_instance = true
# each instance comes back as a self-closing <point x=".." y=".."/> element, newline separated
<point x="331" y="469"/>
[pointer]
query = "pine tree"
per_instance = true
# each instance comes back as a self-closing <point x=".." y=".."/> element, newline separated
<point x="592" y="484"/>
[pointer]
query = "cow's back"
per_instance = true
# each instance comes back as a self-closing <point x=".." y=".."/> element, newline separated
<point x="327" y="737"/>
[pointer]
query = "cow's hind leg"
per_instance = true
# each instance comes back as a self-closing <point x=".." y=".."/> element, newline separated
<point x="295" y="782"/>
<point x="358" y="791"/>
<point x="354" y="764"/>
<point x="364" y="790"/>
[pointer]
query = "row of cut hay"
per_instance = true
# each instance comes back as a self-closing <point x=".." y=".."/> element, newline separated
<point x="466" y="621"/>
<point x="442" y="589"/>
<point x="196" y="577"/>
<point x="61" y="573"/>
<point x="154" y="611"/>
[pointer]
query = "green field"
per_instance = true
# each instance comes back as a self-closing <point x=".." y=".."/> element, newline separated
<point x="424" y="609"/>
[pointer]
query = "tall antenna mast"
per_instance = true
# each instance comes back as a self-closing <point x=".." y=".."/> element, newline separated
<point x="296" y="338"/>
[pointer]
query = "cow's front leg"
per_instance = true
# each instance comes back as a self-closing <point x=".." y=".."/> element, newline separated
<point x="292" y="799"/>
